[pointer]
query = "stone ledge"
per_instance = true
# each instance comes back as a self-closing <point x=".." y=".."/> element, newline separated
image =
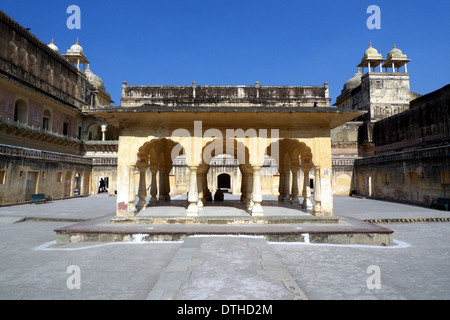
<point x="223" y="220"/>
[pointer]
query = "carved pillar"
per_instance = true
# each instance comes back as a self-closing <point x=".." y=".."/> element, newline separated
<point x="131" y="191"/>
<point x="162" y="184"/>
<point x="205" y="183"/>
<point x="294" y="198"/>
<point x="249" y="190"/>
<point x="200" y="189"/>
<point x="287" y="195"/>
<point x="281" y="187"/>
<point x="192" y="209"/>
<point x="306" y="194"/>
<point x="243" y="186"/>
<point x="317" y="192"/>
<point x="142" y="192"/>
<point x="167" y="185"/>
<point x="103" y="131"/>
<point x="153" y="187"/>
<point x="257" y="209"/>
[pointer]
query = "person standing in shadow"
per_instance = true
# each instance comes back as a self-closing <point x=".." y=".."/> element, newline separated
<point x="218" y="196"/>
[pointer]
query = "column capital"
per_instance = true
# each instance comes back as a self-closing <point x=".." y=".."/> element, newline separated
<point x="193" y="168"/>
<point x="256" y="168"/>
<point x="142" y="165"/>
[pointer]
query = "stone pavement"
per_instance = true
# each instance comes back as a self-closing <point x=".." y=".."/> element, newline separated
<point x="32" y="266"/>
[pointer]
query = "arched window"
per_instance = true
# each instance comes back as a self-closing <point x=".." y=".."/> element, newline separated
<point x="47" y="120"/>
<point x="21" y="111"/>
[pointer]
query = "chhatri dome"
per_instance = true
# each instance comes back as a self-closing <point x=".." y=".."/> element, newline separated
<point x="53" y="46"/>
<point x="396" y="53"/>
<point x="76" y="55"/>
<point x="371" y="59"/>
<point x="396" y="59"/>
<point x="93" y="79"/>
<point x="371" y="52"/>
<point x="76" y="48"/>
<point x="354" y="81"/>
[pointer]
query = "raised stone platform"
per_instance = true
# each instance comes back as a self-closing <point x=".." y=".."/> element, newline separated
<point x="285" y="226"/>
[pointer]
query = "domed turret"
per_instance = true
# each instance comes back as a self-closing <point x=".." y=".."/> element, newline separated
<point x="76" y="48"/>
<point x="354" y="81"/>
<point x="371" y="52"/>
<point x="396" y="59"/>
<point x="93" y="79"/>
<point x="53" y="46"/>
<point x="76" y="55"/>
<point x="371" y="59"/>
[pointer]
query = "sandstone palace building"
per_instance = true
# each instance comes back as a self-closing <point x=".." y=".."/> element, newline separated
<point x="60" y="134"/>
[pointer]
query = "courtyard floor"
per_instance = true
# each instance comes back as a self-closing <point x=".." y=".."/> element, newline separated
<point x="32" y="266"/>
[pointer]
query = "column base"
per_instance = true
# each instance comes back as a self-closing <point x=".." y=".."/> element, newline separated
<point x="257" y="210"/>
<point x="307" y="204"/>
<point x="295" y="200"/>
<point x="317" y="211"/>
<point x="132" y="211"/>
<point x="141" y="205"/>
<point x="192" y="210"/>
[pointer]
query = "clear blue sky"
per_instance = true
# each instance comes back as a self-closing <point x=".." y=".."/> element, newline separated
<point x="218" y="42"/>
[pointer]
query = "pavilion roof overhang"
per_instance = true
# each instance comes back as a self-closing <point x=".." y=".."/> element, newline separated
<point x="220" y="117"/>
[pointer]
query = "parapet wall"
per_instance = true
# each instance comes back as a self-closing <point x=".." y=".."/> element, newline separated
<point x="304" y="96"/>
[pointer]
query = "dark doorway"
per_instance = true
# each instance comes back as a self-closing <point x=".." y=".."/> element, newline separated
<point x="224" y="181"/>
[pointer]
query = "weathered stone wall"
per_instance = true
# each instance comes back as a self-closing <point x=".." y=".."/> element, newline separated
<point x="307" y="96"/>
<point x="413" y="176"/>
<point x="57" y="179"/>
<point x="428" y="119"/>
<point x="344" y="151"/>
<point x="412" y="162"/>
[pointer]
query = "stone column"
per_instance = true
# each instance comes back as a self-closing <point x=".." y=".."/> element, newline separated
<point x="132" y="192"/>
<point x="287" y="195"/>
<point x="317" y="192"/>
<point x="167" y="185"/>
<point x="243" y="186"/>
<point x="281" y="187"/>
<point x="103" y="132"/>
<point x="153" y="187"/>
<point x="205" y="183"/>
<point x="200" y="189"/>
<point x="192" y="209"/>
<point x="306" y="194"/>
<point x="142" y="192"/>
<point x="162" y="185"/>
<point x="294" y="199"/>
<point x="257" y="209"/>
<point x="249" y="190"/>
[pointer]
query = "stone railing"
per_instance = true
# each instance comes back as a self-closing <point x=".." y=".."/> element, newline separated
<point x="36" y="130"/>
<point x="343" y="161"/>
<point x="434" y="152"/>
<point x="11" y="151"/>
<point x="104" y="161"/>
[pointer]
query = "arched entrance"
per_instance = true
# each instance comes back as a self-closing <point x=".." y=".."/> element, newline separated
<point x="295" y="156"/>
<point x="224" y="181"/>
